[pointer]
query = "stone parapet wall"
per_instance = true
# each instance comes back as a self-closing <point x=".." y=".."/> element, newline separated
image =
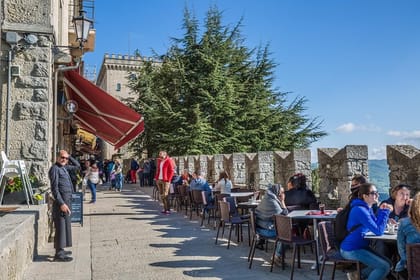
<point x="22" y="233"/>
<point x="404" y="165"/>
<point x="255" y="170"/>
<point x="336" y="168"/>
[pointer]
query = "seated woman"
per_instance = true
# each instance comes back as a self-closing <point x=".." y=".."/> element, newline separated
<point x="186" y="177"/>
<point x="298" y="194"/>
<point x="271" y="204"/>
<point x="408" y="233"/>
<point x="224" y="185"/>
<point x="355" y="246"/>
<point x="400" y="200"/>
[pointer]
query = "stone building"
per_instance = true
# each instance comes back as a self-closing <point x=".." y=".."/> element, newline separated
<point x="113" y="77"/>
<point x="44" y="97"/>
<point x="36" y="35"/>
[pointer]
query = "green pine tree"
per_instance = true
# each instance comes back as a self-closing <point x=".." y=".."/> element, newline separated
<point x="211" y="94"/>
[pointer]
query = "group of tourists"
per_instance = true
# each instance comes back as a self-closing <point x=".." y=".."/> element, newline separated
<point x="367" y="214"/>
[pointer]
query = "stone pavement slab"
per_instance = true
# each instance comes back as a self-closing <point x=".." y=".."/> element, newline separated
<point x="125" y="236"/>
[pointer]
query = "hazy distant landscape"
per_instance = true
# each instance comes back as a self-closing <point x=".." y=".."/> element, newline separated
<point x="379" y="175"/>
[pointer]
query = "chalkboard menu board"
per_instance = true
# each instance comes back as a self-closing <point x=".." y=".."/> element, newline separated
<point x="77" y="208"/>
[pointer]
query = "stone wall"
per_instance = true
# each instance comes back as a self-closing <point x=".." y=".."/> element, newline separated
<point x="30" y="93"/>
<point x="336" y="169"/>
<point x="404" y="165"/>
<point x="22" y="233"/>
<point x="255" y="170"/>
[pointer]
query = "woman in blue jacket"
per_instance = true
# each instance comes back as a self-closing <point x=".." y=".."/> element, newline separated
<point x="355" y="246"/>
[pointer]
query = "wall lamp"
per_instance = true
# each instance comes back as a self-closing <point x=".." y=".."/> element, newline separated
<point x="82" y="25"/>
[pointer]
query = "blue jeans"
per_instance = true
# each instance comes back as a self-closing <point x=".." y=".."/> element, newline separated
<point x="270" y="233"/>
<point x="92" y="188"/>
<point x="118" y="181"/>
<point x="377" y="268"/>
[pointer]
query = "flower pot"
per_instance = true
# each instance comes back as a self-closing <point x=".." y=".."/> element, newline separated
<point x="14" y="198"/>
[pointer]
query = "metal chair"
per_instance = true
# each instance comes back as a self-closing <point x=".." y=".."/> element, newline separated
<point x="328" y="249"/>
<point x="284" y="232"/>
<point x="413" y="267"/>
<point x="255" y="237"/>
<point x="232" y="221"/>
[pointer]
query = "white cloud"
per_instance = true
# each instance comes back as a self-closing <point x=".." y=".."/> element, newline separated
<point x="346" y="128"/>
<point x="351" y="127"/>
<point x="377" y="153"/>
<point x="409" y="135"/>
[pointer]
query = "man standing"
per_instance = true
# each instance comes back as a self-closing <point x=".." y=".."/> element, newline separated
<point x="133" y="170"/>
<point x="164" y="174"/>
<point x="62" y="189"/>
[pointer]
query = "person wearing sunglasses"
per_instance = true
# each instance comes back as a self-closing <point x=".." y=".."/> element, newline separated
<point x="62" y="189"/>
<point x="361" y="220"/>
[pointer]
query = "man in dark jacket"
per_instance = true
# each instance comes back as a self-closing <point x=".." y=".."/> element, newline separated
<point x="62" y="189"/>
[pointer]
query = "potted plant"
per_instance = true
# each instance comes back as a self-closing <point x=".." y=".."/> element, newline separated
<point x="14" y="191"/>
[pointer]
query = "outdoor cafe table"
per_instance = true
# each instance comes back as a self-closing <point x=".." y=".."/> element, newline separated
<point x="386" y="236"/>
<point x="241" y="194"/>
<point x="316" y="216"/>
<point x="249" y="204"/>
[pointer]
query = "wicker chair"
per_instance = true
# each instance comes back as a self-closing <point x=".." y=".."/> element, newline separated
<point x="413" y="267"/>
<point x="328" y="250"/>
<point x="284" y="232"/>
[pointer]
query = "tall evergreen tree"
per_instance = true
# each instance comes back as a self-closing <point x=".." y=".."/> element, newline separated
<point x="211" y="94"/>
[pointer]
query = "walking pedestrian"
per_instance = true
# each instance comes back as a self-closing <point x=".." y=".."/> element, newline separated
<point x="164" y="174"/>
<point x="92" y="178"/>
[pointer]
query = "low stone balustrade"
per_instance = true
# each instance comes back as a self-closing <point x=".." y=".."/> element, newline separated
<point x="22" y="232"/>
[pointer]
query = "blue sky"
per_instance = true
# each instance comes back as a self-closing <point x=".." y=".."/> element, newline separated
<point x="356" y="62"/>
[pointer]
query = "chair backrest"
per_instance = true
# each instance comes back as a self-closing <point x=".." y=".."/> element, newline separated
<point x="283" y="226"/>
<point x="197" y="196"/>
<point x="413" y="266"/>
<point x="182" y="190"/>
<point x="232" y="205"/>
<point x="253" y="222"/>
<point x="326" y="237"/>
<point x="224" y="211"/>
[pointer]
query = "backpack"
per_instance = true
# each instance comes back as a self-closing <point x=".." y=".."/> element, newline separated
<point x="340" y="225"/>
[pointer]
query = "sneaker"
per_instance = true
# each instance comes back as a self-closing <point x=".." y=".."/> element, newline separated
<point x="167" y="212"/>
<point x="163" y="211"/>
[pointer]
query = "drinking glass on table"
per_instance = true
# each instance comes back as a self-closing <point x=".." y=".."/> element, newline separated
<point x="322" y="208"/>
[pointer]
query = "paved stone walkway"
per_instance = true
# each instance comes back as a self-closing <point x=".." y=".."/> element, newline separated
<point x="125" y="236"/>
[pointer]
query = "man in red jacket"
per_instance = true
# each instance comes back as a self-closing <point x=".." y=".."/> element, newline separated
<point x="163" y="177"/>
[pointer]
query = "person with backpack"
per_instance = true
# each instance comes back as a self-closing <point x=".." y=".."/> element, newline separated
<point x="362" y="220"/>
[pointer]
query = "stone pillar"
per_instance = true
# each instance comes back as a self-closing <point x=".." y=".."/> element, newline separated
<point x="289" y="163"/>
<point x="265" y="173"/>
<point x="182" y="162"/>
<point x="193" y="163"/>
<point x="404" y="166"/>
<point x="30" y="131"/>
<point x="218" y="165"/>
<point x="336" y="167"/>
<point x="203" y="165"/>
<point x="238" y="169"/>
